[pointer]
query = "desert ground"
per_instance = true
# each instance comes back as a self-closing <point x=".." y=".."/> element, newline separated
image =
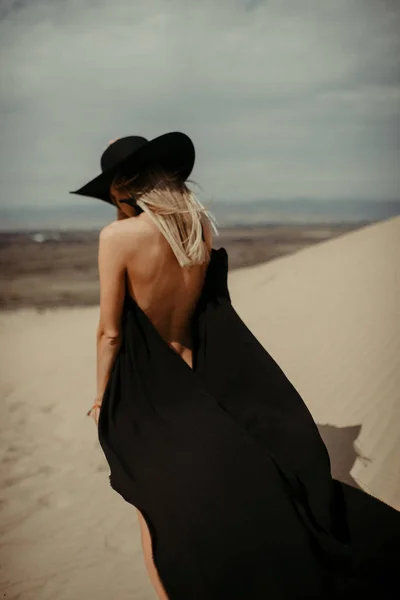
<point x="53" y="268"/>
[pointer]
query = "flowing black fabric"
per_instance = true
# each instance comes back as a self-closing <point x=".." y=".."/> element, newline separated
<point x="229" y="470"/>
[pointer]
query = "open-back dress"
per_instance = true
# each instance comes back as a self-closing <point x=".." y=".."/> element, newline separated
<point x="227" y="466"/>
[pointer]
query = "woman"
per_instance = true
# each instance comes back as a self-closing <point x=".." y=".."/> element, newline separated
<point x="203" y="432"/>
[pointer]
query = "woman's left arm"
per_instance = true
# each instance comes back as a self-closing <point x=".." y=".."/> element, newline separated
<point x="111" y="266"/>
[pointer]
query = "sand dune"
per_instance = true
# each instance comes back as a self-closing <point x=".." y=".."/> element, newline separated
<point x="329" y="315"/>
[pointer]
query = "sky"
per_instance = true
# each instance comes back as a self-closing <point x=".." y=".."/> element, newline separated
<point x="283" y="100"/>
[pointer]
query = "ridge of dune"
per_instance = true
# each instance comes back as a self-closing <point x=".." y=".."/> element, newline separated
<point x="330" y="316"/>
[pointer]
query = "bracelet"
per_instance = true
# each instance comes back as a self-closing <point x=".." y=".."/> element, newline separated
<point x="95" y="405"/>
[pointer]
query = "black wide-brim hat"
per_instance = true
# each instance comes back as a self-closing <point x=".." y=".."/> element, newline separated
<point x="173" y="152"/>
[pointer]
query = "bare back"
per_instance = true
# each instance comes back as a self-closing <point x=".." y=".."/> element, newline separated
<point x="165" y="291"/>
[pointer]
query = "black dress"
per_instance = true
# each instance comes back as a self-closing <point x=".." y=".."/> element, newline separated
<point x="229" y="470"/>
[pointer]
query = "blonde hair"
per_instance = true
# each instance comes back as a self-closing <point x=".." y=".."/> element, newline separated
<point x="174" y="209"/>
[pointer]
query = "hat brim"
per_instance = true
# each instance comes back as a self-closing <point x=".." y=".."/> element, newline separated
<point x="173" y="152"/>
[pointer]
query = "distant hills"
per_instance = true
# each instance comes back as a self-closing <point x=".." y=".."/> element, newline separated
<point x="228" y="214"/>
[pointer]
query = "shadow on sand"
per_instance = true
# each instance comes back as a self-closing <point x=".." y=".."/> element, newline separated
<point x="372" y="522"/>
<point x="342" y="451"/>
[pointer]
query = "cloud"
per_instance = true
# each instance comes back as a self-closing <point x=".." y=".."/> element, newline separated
<point x="282" y="99"/>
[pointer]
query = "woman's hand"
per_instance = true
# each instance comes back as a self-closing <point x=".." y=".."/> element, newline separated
<point x="94" y="412"/>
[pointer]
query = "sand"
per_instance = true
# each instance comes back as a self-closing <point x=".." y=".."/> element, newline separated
<point x="329" y="315"/>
